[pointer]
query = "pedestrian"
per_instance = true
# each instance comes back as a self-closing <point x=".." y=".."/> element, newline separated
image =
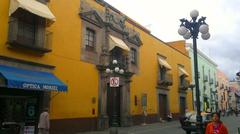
<point x="169" y="116"/>
<point x="236" y="112"/>
<point x="44" y="124"/>
<point x="216" y="126"/>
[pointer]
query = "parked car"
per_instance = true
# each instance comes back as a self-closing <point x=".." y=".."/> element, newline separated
<point x="189" y="122"/>
<point x="9" y="128"/>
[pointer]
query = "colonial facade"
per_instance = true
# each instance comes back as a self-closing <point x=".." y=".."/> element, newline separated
<point x="207" y="80"/>
<point x="222" y="91"/>
<point x="234" y="94"/>
<point x="88" y="38"/>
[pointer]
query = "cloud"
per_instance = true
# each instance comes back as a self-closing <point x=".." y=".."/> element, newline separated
<point x="162" y="18"/>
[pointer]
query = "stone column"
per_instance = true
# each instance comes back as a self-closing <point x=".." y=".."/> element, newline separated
<point x="102" y="102"/>
<point x="126" y="119"/>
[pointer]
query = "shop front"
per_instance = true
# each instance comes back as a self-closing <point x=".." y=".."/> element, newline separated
<point x="23" y="95"/>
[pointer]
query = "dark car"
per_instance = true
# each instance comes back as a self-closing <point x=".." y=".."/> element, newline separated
<point x="9" y="128"/>
<point x="189" y="122"/>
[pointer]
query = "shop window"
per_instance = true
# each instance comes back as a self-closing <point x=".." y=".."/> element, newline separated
<point x="90" y="39"/>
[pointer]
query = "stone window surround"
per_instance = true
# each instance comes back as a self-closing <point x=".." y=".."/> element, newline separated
<point x="91" y="56"/>
<point x="90" y="39"/>
<point x="133" y="56"/>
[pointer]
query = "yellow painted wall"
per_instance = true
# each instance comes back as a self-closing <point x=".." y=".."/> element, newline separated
<point x="81" y="77"/>
<point x="179" y="45"/>
<point x="145" y="81"/>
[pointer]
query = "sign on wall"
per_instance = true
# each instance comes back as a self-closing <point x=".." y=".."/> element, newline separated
<point x="114" y="81"/>
<point x="29" y="130"/>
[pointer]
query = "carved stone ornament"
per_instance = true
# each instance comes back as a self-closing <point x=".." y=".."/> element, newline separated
<point x="110" y="17"/>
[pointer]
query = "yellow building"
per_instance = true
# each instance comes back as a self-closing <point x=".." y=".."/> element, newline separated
<point x="84" y="40"/>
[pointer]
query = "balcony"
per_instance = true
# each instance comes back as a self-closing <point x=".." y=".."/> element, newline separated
<point x="184" y="85"/>
<point x="29" y="37"/>
<point x="121" y="57"/>
<point x="166" y="81"/>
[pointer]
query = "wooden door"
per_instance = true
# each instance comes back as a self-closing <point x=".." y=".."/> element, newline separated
<point x="163" y="106"/>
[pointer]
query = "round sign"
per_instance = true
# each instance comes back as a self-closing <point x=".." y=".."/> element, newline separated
<point x="114" y="82"/>
<point x="31" y="111"/>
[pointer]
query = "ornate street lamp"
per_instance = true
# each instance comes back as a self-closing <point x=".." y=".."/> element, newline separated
<point x="113" y="68"/>
<point x="191" y="29"/>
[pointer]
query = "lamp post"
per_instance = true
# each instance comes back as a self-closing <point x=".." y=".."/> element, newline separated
<point x="191" y="86"/>
<point x="216" y="100"/>
<point x="112" y="69"/>
<point x="190" y="29"/>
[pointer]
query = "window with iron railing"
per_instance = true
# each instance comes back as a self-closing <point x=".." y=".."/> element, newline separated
<point x="133" y="56"/>
<point x="184" y="84"/>
<point x="162" y="73"/>
<point x="120" y="56"/>
<point x="27" y="30"/>
<point x="182" y="78"/>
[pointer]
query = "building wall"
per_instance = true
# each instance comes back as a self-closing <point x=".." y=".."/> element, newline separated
<point x="234" y="89"/>
<point x="82" y="78"/>
<point x="223" y="86"/>
<point x="206" y="68"/>
<point x="145" y="81"/>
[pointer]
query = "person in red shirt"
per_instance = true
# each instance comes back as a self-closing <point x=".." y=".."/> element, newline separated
<point x="216" y="126"/>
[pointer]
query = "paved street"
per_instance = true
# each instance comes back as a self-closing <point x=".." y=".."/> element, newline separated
<point x="173" y="127"/>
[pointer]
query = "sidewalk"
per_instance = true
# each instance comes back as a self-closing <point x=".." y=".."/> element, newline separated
<point x="137" y="128"/>
<point x="173" y="127"/>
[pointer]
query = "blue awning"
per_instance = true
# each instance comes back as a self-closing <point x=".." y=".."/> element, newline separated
<point x="28" y="79"/>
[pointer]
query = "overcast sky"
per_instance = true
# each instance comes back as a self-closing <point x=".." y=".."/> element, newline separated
<point x="161" y="17"/>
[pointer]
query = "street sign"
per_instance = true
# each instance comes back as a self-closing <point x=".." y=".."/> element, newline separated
<point x="114" y="81"/>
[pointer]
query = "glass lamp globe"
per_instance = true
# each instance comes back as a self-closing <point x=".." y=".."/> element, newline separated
<point x="187" y="35"/>
<point x="182" y="30"/>
<point x="121" y="71"/>
<point x="114" y="61"/>
<point x="194" y="13"/>
<point x="203" y="29"/>
<point x="108" y="70"/>
<point x="116" y="69"/>
<point x="206" y="36"/>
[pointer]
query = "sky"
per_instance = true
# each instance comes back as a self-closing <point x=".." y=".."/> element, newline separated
<point x="161" y="17"/>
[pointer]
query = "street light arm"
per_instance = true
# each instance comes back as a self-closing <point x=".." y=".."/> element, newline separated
<point x="202" y="20"/>
<point x="185" y="22"/>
